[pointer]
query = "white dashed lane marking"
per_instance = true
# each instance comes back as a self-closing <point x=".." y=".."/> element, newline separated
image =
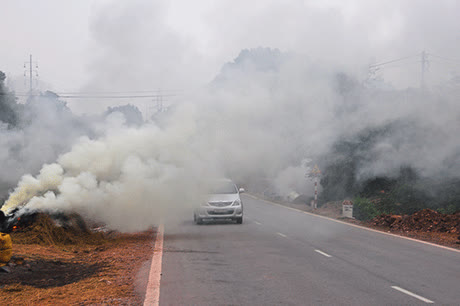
<point x="282" y="235"/>
<point x="322" y="253"/>
<point x="421" y="298"/>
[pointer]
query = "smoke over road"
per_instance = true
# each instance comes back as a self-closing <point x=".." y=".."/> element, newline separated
<point x="259" y="120"/>
<point x="255" y="124"/>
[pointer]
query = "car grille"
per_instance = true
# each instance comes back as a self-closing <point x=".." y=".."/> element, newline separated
<point x="220" y="204"/>
<point x="221" y="212"/>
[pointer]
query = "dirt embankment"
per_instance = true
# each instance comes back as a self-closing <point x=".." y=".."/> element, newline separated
<point x="425" y="224"/>
<point x="426" y="220"/>
<point x="73" y="265"/>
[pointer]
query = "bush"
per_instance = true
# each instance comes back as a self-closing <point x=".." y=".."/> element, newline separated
<point x="449" y="210"/>
<point x="405" y="199"/>
<point x="364" y="209"/>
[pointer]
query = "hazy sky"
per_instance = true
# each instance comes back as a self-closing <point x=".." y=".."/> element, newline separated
<point x="145" y="44"/>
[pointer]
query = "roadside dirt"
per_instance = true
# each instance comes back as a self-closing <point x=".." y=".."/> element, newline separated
<point x="427" y="225"/>
<point x="101" y="269"/>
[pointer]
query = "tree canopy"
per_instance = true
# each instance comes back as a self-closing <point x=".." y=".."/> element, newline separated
<point x="8" y="105"/>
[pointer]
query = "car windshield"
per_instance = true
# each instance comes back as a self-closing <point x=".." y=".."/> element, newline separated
<point x="223" y="188"/>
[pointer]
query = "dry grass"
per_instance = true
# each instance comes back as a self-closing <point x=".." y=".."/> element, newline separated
<point x="44" y="231"/>
<point x="73" y="267"/>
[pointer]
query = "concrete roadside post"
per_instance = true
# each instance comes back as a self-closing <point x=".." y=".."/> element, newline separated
<point x="347" y="209"/>
<point x="315" y="173"/>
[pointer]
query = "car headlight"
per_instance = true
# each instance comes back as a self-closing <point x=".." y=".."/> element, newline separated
<point x="205" y="204"/>
<point x="236" y="203"/>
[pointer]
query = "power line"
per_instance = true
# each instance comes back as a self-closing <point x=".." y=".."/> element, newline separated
<point x="400" y="65"/>
<point x="114" y="97"/>
<point x="117" y="92"/>
<point x="425" y="59"/>
<point x="445" y="63"/>
<point x="444" y="58"/>
<point x="84" y="95"/>
<point x="393" y="61"/>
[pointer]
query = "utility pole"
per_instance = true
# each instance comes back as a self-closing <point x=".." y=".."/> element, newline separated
<point x="423" y="69"/>
<point x="31" y="70"/>
<point x="159" y="102"/>
<point x="30" y="74"/>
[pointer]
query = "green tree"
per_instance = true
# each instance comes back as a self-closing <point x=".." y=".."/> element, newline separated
<point x="8" y="105"/>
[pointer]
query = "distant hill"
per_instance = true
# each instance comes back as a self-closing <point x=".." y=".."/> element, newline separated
<point x="249" y="61"/>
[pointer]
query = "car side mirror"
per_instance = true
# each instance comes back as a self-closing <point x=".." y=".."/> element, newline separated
<point x="241" y="190"/>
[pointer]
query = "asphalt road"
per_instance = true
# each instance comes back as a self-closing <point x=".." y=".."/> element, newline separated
<point x="280" y="256"/>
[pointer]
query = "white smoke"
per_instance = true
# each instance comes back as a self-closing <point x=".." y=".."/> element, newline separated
<point x="259" y="119"/>
<point x="126" y="179"/>
<point x="45" y="129"/>
<point x="129" y="177"/>
<point x="257" y="127"/>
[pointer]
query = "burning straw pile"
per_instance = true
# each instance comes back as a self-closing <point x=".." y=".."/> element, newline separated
<point x="58" y="229"/>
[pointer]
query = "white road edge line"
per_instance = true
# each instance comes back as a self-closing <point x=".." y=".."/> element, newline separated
<point x="258" y="223"/>
<point x="282" y="235"/>
<point x="322" y="253"/>
<point x="152" y="294"/>
<point x="421" y="298"/>
<point x="354" y="225"/>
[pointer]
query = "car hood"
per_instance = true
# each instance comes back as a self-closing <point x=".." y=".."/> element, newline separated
<point x="223" y="197"/>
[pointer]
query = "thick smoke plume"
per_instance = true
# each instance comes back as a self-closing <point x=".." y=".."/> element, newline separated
<point x="127" y="178"/>
<point x="43" y="128"/>
<point x="259" y="122"/>
<point x="264" y="120"/>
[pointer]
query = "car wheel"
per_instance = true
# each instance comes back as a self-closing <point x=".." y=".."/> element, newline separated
<point x="239" y="220"/>
<point x="197" y="220"/>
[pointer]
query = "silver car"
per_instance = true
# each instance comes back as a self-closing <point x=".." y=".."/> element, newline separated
<point x="223" y="202"/>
